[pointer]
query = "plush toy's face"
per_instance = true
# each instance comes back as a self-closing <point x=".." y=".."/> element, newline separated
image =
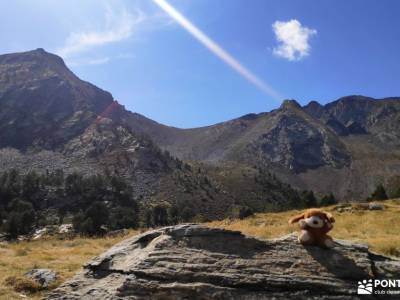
<point x="315" y="222"/>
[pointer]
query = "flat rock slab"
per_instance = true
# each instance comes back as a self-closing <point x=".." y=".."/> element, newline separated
<point x="195" y="262"/>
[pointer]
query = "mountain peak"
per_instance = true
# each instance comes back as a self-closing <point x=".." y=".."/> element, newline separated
<point x="32" y="54"/>
<point x="290" y="103"/>
<point x="40" y="50"/>
<point x="314" y="108"/>
<point x="42" y="53"/>
<point x="353" y="100"/>
<point x="35" y="64"/>
<point x="37" y="83"/>
<point x="314" y="104"/>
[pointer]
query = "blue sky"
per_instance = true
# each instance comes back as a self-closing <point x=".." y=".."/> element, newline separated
<point x="305" y="50"/>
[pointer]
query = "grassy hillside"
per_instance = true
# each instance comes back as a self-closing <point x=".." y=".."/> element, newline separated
<point x="377" y="228"/>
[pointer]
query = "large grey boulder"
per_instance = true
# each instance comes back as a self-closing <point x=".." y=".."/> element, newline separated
<point x="195" y="262"/>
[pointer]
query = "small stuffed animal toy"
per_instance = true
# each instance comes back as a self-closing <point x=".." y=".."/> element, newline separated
<point x="314" y="224"/>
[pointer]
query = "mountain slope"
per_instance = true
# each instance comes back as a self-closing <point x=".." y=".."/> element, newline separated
<point x="346" y="147"/>
<point x="286" y="136"/>
<point x="50" y="119"/>
<point x="43" y="103"/>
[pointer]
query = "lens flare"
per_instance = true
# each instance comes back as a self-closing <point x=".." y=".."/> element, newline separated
<point x="217" y="50"/>
<point x="107" y="113"/>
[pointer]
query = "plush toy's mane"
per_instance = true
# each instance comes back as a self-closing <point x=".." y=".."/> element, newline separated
<point x="312" y="212"/>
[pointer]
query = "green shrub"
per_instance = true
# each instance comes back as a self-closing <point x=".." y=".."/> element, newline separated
<point x="91" y="221"/>
<point x="328" y="200"/>
<point x="241" y="212"/>
<point x="20" y="218"/>
<point x="123" y="217"/>
<point x="307" y="199"/>
<point x="379" y="193"/>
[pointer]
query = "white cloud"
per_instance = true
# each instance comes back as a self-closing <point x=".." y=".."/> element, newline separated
<point x="99" y="61"/>
<point x="293" y="39"/>
<point x="118" y="26"/>
<point x="88" y="61"/>
<point x="125" y="56"/>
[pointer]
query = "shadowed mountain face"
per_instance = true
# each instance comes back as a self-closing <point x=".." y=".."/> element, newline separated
<point x="43" y="103"/>
<point x="50" y="119"/>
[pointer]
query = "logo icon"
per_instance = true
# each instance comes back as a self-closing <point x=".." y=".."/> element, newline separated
<point x="365" y="287"/>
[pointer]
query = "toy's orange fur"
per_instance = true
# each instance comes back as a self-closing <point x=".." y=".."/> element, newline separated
<point x="314" y="224"/>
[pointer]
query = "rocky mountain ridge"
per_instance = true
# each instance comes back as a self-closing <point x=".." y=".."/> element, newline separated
<point x="346" y="147"/>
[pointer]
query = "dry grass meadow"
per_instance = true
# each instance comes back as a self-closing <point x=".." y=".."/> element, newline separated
<point x="380" y="229"/>
<point x="64" y="256"/>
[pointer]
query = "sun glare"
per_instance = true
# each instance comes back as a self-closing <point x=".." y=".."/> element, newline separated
<point x="218" y="50"/>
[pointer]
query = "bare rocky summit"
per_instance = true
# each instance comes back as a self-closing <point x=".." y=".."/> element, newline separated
<point x="195" y="262"/>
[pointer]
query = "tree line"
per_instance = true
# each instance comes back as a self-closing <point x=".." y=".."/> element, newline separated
<point x="94" y="204"/>
<point x="98" y="203"/>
